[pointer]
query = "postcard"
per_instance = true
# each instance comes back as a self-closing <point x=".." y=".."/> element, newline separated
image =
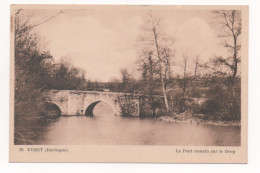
<point x="129" y="83"/>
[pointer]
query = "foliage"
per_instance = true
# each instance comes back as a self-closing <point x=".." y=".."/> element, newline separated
<point x="35" y="70"/>
<point x="179" y="103"/>
<point x="32" y="68"/>
<point x="221" y="103"/>
<point x="211" y="106"/>
<point x="68" y="77"/>
<point x="152" y="107"/>
<point x="127" y="82"/>
<point x="127" y="106"/>
<point x="195" y="92"/>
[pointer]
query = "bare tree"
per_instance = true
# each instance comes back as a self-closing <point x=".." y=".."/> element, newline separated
<point x="196" y="66"/>
<point x="185" y="57"/>
<point x="158" y="49"/>
<point x="230" y="20"/>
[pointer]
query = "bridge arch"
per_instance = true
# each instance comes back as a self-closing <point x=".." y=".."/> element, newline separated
<point x="74" y="102"/>
<point x="49" y="109"/>
<point x="90" y="108"/>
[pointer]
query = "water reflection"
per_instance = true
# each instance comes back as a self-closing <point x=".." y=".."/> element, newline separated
<point x="106" y="129"/>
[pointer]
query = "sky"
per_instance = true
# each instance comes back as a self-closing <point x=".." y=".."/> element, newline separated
<point x="103" y="40"/>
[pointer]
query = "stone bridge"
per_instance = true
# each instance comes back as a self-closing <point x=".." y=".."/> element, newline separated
<point x="76" y="102"/>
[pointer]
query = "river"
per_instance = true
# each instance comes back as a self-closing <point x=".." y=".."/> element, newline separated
<point x="106" y="129"/>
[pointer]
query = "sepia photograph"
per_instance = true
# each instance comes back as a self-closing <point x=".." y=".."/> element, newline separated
<point x="129" y="75"/>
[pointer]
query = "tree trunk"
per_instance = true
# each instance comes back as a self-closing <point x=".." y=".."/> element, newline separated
<point x="151" y="75"/>
<point x="196" y="68"/>
<point x="160" y="70"/>
<point x="184" y="77"/>
<point x="235" y="66"/>
<point x="165" y="97"/>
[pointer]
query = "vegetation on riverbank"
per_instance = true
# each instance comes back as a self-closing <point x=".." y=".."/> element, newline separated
<point x="215" y="92"/>
<point x="209" y="97"/>
<point x="197" y="119"/>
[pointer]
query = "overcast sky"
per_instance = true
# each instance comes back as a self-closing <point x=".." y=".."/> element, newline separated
<point x="103" y="40"/>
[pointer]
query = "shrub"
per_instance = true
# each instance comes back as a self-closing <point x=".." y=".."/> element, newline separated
<point x="177" y="103"/>
<point x="194" y="92"/>
<point x="152" y="107"/>
<point x="211" y="106"/>
<point x="128" y="107"/>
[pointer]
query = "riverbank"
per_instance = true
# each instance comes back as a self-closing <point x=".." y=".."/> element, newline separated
<point x="198" y="119"/>
<point x="29" y="130"/>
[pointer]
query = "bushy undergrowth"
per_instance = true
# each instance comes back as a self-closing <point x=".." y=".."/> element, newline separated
<point x="215" y="102"/>
<point x="152" y="107"/>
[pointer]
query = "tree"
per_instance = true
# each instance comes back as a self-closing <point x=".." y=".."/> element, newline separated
<point x="157" y="53"/>
<point x="185" y="57"/>
<point x="230" y="21"/>
<point x="35" y="73"/>
<point x="32" y="66"/>
<point x="67" y="76"/>
<point x="147" y="66"/>
<point x="127" y="84"/>
<point x="224" y="69"/>
<point x="125" y="75"/>
<point x="196" y="66"/>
